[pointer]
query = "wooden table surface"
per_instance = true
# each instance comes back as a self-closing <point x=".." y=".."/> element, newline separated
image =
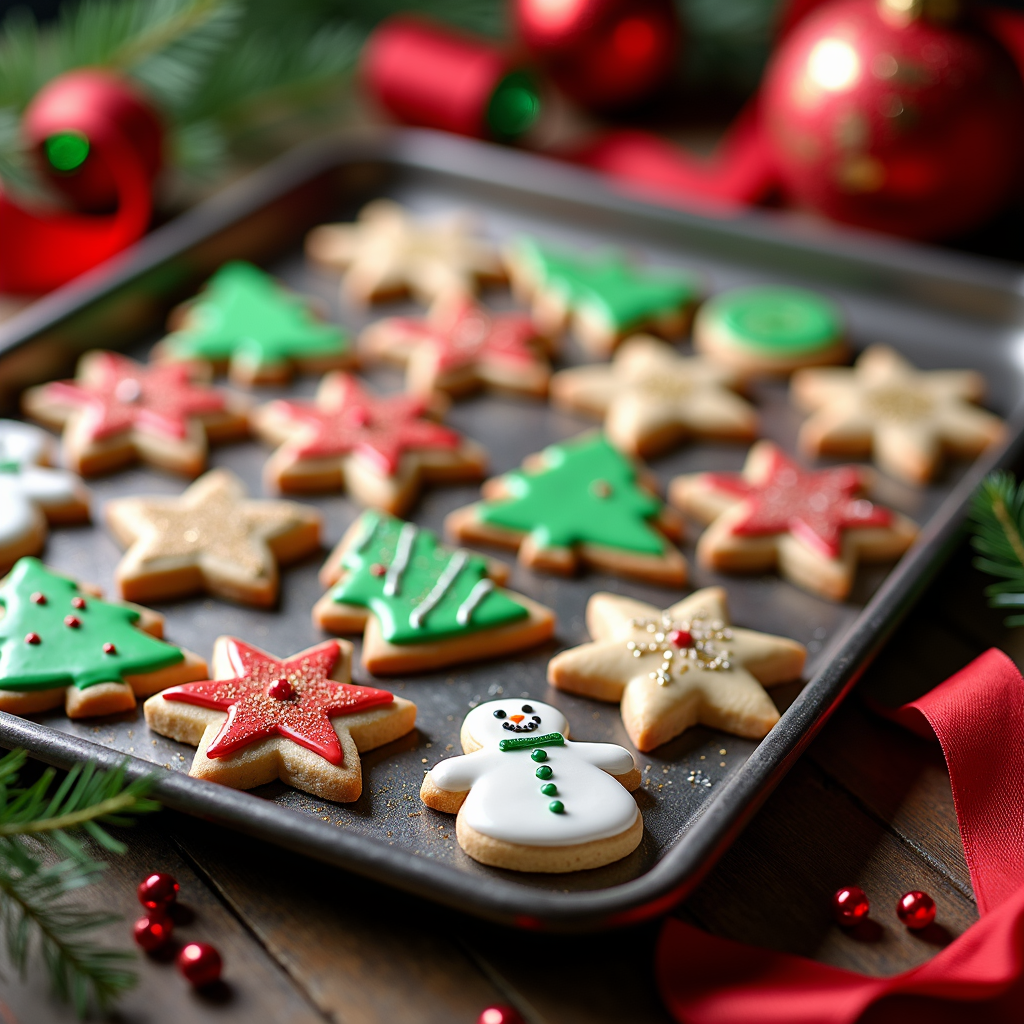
<point x="868" y="804"/>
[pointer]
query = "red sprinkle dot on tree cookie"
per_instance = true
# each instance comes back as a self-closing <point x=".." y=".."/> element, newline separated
<point x="78" y="602"/>
<point x="680" y="638"/>
<point x="72" y="621"/>
<point x="31" y="638"/>
<point x="377" y="569"/>
<point x="281" y="689"/>
<point x="38" y="598"/>
<point x="109" y="648"/>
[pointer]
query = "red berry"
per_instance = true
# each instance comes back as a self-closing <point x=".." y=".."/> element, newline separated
<point x="200" y="963"/>
<point x="158" y="891"/>
<point x="680" y="638"/>
<point x="499" y="1015"/>
<point x="152" y="933"/>
<point x="78" y="602"/>
<point x="31" y="638"/>
<point x="850" y="906"/>
<point x="72" y="621"/>
<point x="281" y="689"/>
<point x="916" y="909"/>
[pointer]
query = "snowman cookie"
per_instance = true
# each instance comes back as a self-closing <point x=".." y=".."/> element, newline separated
<point x="530" y="799"/>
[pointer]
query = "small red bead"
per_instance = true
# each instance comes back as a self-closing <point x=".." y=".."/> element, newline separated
<point x="850" y="906"/>
<point x="500" y="1015"/>
<point x="73" y="621"/>
<point x="916" y="909"/>
<point x="38" y="598"/>
<point x="377" y="569"/>
<point x="31" y="638"/>
<point x="680" y="638"/>
<point x="109" y="648"/>
<point x="281" y="689"/>
<point x="151" y="933"/>
<point x="158" y="890"/>
<point x="78" y="602"/>
<point x="200" y="963"/>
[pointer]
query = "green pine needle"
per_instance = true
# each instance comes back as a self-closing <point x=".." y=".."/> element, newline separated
<point x="997" y="520"/>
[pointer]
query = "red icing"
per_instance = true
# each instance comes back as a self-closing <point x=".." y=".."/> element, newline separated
<point x="38" y="598"/>
<point x="254" y="715"/>
<point x="32" y="638"/>
<point x="121" y="394"/>
<point x="379" y="429"/>
<point x="814" y="505"/>
<point x="680" y="638"/>
<point x="78" y="602"/>
<point x="109" y="648"/>
<point x="72" y="621"/>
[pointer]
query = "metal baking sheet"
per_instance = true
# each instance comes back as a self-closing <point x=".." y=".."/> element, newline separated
<point x="942" y="311"/>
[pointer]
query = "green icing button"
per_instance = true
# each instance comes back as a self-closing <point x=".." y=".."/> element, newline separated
<point x="778" y="322"/>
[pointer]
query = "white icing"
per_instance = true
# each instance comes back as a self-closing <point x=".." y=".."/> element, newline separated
<point x="465" y="613"/>
<point x="505" y="799"/>
<point x="403" y="549"/>
<point x="440" y="588"/>
<point x="22" y="443"/>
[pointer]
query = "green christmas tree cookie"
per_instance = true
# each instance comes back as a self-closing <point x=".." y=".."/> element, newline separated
<point x="248" y="322"/>
<point x="422" y="605"/>
<point x="60" y="644"/>
<point x="579" y="501"/>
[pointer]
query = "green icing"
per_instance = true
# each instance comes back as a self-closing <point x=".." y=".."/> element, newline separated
<point x="244" y="314"/>
<point x="606" y="285"/>
<point x="777" y="321"/>
<point x="548" y="739"/>
<point x="433" y="591"/>
<point x="586" y="493"/>
<point x="66" y="655"/>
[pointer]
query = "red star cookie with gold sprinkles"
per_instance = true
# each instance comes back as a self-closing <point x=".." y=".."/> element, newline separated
<point x="296" y="719"/>
<point x="812" y="525"/>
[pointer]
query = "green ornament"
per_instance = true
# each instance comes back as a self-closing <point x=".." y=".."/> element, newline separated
<point x="556" y="807"/>
<point x="549" y="790"/>
<point x="539" y="755"/>
<point x="585" y="494"/>
<point x="419" y="590"/>
<point x="545" y="771"/>
<point x="47" y="641"/>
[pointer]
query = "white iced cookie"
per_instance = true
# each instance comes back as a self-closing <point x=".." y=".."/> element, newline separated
<point x="529" y="799"/>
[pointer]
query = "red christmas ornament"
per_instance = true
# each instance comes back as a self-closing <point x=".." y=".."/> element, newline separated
<point x="151" y="933"/>
<point x="850" y="906"/>
<point x="894" y="122"/>
<point x="603" y="53"/>
<point x="158" y="890"/>
<point x="500" y="1014"/>
<point x="916" y="909"/>
<point x="200" y="963"/>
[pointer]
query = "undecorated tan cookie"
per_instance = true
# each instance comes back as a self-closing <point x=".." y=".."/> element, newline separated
<point x="908" y="419"/>
<point x="297" y="719"/>
<point x="530" y="799"/>
<point x="422" y="606"/>
<point x="813" y="525"/>
<point x="60" y="644"/>
<point x="652" y="398"/>
<point x="577" y="503"/>
<point x="677" y="668"/>
<point x="213" y="538"/>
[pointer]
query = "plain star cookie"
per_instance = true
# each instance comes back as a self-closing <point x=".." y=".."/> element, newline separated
<point x="422" y="606"/>
<point x="580" y="502"/>
<point x="907" y="418"/>
<point x="117" y="411"/>
<point x="679" y="667"/>
<point x="388" y="253"/>
<point x="245" y="322"/>
<point x="460" y="348"/>
<point x="530" y="799"/>
<point x="211" y="538"/>
<point x="813" y="525"/>
<point x="382" y="449"/>
<point x="60" y="644"/>
<point x="296" y="719"/>
<point x="652" y="398"/>
<point x="32" y="495"/>
<point x="601" y="296"/>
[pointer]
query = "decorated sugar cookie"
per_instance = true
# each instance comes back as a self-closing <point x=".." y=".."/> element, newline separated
<point x="530" y="799"/>
<point x="32" y="495"/>
<point x="382" y="449"/>
<point x="603" y="297"/>
<point x="117" y="411"/>
<point x="770" y="330"/>
<point x="651" y="397"/>
<point x="813" y="525"/>
<point x="679" y="667"/>
<point x="580" y="502"/>
<point x="60" y="644"/>
<point x="296" y="719"/>
<point x="422" y="605"/>
<point x="211" y="538"/>
<point x="461" y="347"/>
<point x="388" y="253"/>
<point x="908" y="419"/>
<point x="245" y="322"/>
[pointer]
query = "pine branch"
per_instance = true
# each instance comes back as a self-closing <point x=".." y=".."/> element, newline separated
<point x="997" y="520"/>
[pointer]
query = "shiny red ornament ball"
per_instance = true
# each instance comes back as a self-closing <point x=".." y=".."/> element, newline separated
<point x="151" y="933"/>
<point x="850" y="906"/>
<point x="499" y="1015"/>
<point x="158" y="890"/>
<point x="200" y="963"/>
<point x="897" y="124"/>
<point x="281" y="689"/>
<point x="916" y="909"/>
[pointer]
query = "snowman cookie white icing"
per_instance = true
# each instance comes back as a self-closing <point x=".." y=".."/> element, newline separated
<point x="530" y="799"/>
<point x="32" y="495"/>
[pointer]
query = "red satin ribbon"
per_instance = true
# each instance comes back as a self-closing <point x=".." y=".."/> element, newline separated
<point x="978" y="717"/>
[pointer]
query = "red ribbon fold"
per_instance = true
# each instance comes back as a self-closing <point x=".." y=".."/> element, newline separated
<point x="977" y="716"/>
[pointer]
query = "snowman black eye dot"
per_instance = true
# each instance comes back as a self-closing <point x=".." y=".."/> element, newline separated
<point x="499" y="714"/>
<point x="527" y="709"/>
<point x="536" y="718"/>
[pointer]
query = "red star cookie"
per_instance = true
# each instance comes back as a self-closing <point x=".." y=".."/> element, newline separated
<point x="380" y="448"/>
<point x="813" y="525"/>
<point x="117" y="411"/>
<point x="296" y="719"/>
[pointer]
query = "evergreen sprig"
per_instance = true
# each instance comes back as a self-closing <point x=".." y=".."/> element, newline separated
<point x="997" y="521"/>
<point x="39" y="823"/>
